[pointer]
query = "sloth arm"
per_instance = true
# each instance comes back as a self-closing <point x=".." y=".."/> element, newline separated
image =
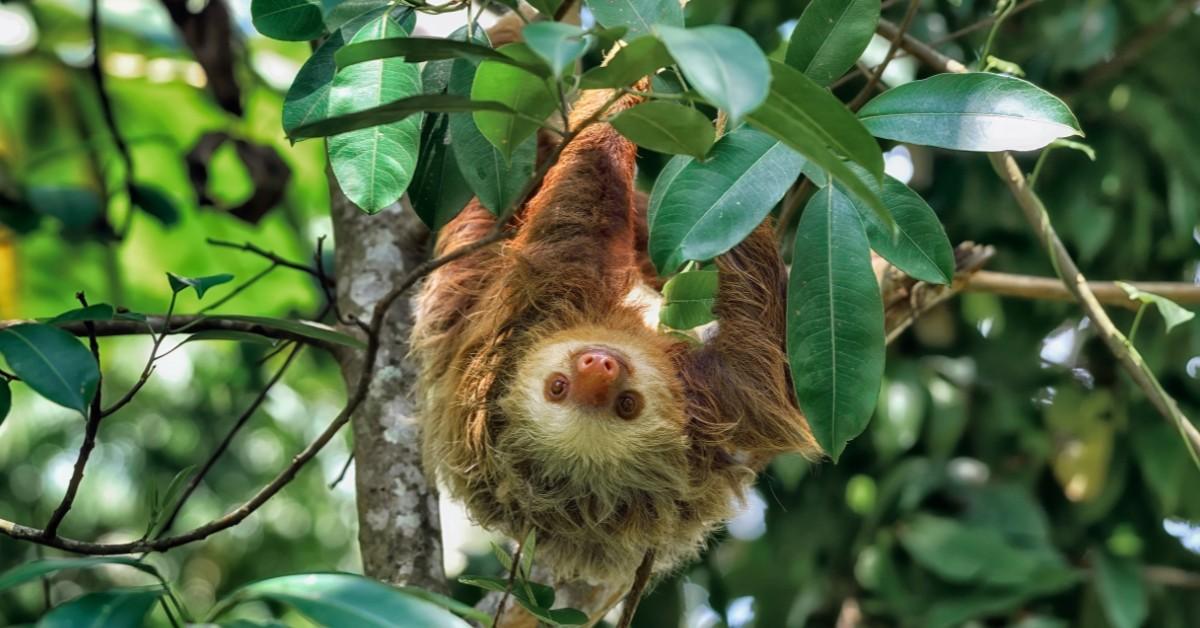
<point x="738" y="383"/>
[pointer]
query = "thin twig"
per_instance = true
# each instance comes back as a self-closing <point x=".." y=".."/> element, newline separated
<point x="106" y="110"/>
<point x="269" y="255"/>
<point x="148" y="370"/>
<point x="512" y="578"/>
<point x="865" y="93"/>
<point x="241" y="421"/>
<point x="328" y="285"/>
<point x="342" y="474"/>
<point x="640" y="579"/>
<point x="239" y="289"/>
<point x="90" y="430"/>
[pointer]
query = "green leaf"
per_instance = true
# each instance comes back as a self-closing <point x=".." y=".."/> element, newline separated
<point x="639" y="16"/>
<point x="825" y="116"/>
<point x="1173" y="314"/>
<point x="1121" y="592"/>
<point x="830" y="36"/>
<point x="152" y="200"/>
<point x="374" y="166"/>
<point x="96" y="312"/>
<point x="642" y="57"/>
<point x="288" y="20"/>
<point x="36" y="569"/>
<point x="723" y="64"/>
<point x="809" y="119"/>
<point x="558" y="44"/>
<point x="451" y="604"/>
<point x="517" y="89"/>
<point x="835" y="322"/>
<point x="439" y="190"/>
<point x="391" y="112"/>
<point x="339" y="599"/>
<point x="663" y="183"/>
<point x="200" y="284"/>
<point x="118" y="608"/>
<point x="307" y="100"/>
<point x="418" y="49"/>
<point x="496" y="180"/>
<point x="667" y="127"/>
<point x="77" y="208"/>
<point x="711" y="206"/>
<point x="348" y="16"/>
<point x="51" y="362"/>
<point x="229" y="334"/>
<point x="975" y="555"/>
<point x="316" y="331"/>
<point x="175" y="487"/>
<point x="688" y="299"/>
<point x="5" y="399"/>
<point x="972" y="112"/>
<point x="532" y="596"/>
<point x="919" y="247"/>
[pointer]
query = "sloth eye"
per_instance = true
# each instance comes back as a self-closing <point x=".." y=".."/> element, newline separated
<point x="556" y="387"/>
<point x="629" y="404"/>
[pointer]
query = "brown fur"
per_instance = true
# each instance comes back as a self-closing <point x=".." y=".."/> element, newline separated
<point x="659" y="483"/>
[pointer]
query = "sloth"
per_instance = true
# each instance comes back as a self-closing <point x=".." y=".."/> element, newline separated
<point x="551" y="404"/>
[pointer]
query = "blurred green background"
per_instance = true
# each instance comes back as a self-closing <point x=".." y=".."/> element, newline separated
<point x="1011" y="471"/>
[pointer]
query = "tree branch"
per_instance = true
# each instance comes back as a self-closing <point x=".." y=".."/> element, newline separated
<point x="186" y="324"/>
<point x="318" y="274"/>
<point x="1049" y="289"/>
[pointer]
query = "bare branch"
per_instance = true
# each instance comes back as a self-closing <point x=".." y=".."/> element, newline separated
<point x="250" y="247"/>
<point x="89" y="438"/>
<point x="1049" y="289"/>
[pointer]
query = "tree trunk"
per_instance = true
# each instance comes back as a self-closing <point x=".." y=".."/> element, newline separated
<point x="399" y="533"/>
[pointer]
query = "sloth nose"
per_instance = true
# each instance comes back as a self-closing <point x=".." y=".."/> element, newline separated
<point x="595" y="372"/>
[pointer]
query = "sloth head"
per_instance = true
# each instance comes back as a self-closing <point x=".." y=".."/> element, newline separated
<point x="597" y="403"/>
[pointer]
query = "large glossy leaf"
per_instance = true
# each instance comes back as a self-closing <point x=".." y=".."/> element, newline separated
<point x="723" y="64"/>
<point x="974" y="112"/>
<point x="639" y="16"/>
<point x="640" y="58"/>
<point x="688" y="299"/>
<point x="337" y="599"/>
<point x="289" y="20"/>
<point x="558" y="44"/>
<point x="830" y="36"/>
<point x="667" y="127"/>
<point x="438" y="190"/>
<point x="374" y="165"/>
<point x="417" y="49"/>
<point x="36" y="569"/>
<point x="108" y="609"/>
<point x="918" y="245"/>
<point x="808" y="118"/>
<point x="495" y="180"/>
<point x="307" y="100"/>
<point x="835" y="322"/>
<point x="51" y="362"/>
<point x="316" y="331"/>
<point x="517" y="89"/>
<point x="348" y="16"/>
<point x="711" y="206"/>
<point x="1121" y="592"/>
<point x="663" y="183"/>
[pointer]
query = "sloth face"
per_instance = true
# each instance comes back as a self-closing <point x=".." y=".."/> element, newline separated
<point x="592" y="397"/>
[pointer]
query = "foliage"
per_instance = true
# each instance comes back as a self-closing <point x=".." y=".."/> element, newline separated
<point x="995" y="465"/>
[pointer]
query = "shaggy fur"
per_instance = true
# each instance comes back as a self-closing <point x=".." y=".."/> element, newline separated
<point x="599" y="491"/>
